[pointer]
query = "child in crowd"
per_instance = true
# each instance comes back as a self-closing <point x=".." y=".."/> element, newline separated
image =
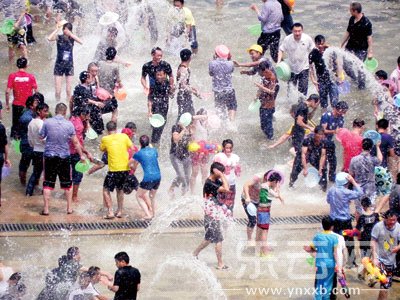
<point x="269" y="189"/>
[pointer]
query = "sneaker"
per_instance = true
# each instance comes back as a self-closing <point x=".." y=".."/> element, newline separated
<point x="361" y="277"/>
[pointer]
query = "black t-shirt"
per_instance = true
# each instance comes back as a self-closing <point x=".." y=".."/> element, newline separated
<point x="285" y="8"/>
<point x="315" y="57"/>
<point x="127" y="279"/>
<point x="65" y="47"/>
<point x="3" y="138"/>
<point x="394" y="199"/>
<point x="180" y="149"/>
<point x="313" y="150"/>
<point x="302" y="110"/>
<point x="81" y="95"/>
<point x="210" y="189"/>
<point x="150" y="69"/>
<point x="366" y="223"/>
<point x="359" y="33"/>
<point x="159" y="94"/>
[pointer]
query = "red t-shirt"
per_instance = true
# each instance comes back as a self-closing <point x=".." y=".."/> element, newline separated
<point x="22" y="84"/>
<point x="352" y="145"/>
<point x="79" y="129"/>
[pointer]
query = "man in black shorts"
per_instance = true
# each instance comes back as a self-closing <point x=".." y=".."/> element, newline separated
<point x="57" y="155"/>
<point x="126" y="279"/>
<point x="149" y="69"/>
<point x="216" y="183"/>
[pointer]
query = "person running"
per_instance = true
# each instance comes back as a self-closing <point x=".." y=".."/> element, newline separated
<point x="358" y="41"/>
<point x="23" y="85"/>
<point x="56" y="155"/>
<point x="116" y="145"/>
<point x="215" y="185"/>
<point x="65" y="61"/>
<point x="287" y="23"/>
<point x="38" y="145"/>
<point x="190" y="30"/>
<point x="297" y="47"/>
<point x="147" y="157"/>
<point x="270" y="17"/>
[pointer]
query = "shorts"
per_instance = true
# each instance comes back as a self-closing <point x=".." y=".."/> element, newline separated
<point x="1" y="164"/>
<point x="263" y="217"/>
<point x="228" y="198"/>
<point x="131" y="183"/>
<point x="150" y="185"/>
<point x="76" y="176"/>
<point x="388" y="271"/>
<point x="213" y="232"/>
<point x="115" y="180"/>
<point x="17" y="39"/>
<point x="63" y="69"/>
<point x="193" y="38"/>
<point x="56" y="166"/>
<point x="199" y="158"/>
<point x="225" y="100"/>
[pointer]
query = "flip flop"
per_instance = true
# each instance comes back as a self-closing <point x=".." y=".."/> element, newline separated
<point x="42" y="213"/>
<point x="70" y="212"/>
<point x="224" y="267"/>
<point x="109" y="217"/>
<point x="118" y="215"/>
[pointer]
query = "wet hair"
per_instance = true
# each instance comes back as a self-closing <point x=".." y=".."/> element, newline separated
<point x="111" y="52"/>
<point x="274" y="177"/>
<point x="71" y="252"/>
<point x="181" y="1"/>
<point x="159" y="69"/>
<point x="381" y="74"/>
<point x="297" y="25"/>
<point x="327" y="223"/>
<point x="41" y="106"/>
<point x="293" y="109"/>
<point x="144" y="141"/>
<point x="201" y="112"/>
<point x="39" y="97"/>
<point x="83" y="76"/>
<point x="22" y="63"/>
<point x="226" y="142"/>
<point x="111" y="126"/>
<point x="342" y="105"/>
<point x="81" y="110"/>
<point x="62" y="261"/>
<point x="93" y="271"/>
<point x="92" y="64"/>
<point x="185" y="54"/>
<point x="313" y="97"/>
<point x="61" y="108"/>
<point x="367" y="144"/>
<point x="131" y="126"/>
<point x="16" y="276"/>
<point x="398" y="178"/>
<point x="29" y="101"/>
<point x="356" y="6"/>
<point x="358" y="123"/>
<point x="68" y="26"/>
<point x="122" y="256"/>
<point x="365" y="202"/>
<point x="319" y="129"/>
<point x="218" y="166"/>
<point x="389" y="213"/>
<point x="319" y="39"/>
<point x="153" y="51"/>
<point x="382" y="124"/>
<point x="265" y="65"/>
<point x="113" y="31"/>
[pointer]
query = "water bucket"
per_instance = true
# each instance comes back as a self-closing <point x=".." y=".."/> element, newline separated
<point x="254" y="105"/>
<point x="157" y="120"/>
<point x="120" y="94"/>
<point x="373" y="135"/>
<point x="344" y="87"/>
<point x="371" y="64"/>
<point x="91" y="134"/>
<point x="255" y="30"/>
<point x="7" y="27"/>
<point x="312" y="178"/>
<point x="82" y="167"/>
<point x="16" y="145"/>
<point x="396" y="100"/>
<point x="310" y="260"/>
<point x="5" y="171"/>
<point x="251" y="209"/>
<point x="102" y="94"/>
<point x="185" y="119"/>
<point x="283" y="71"/>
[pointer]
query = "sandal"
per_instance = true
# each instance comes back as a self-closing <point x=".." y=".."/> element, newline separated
<point x="224" y="267"/>
<point x="42" y="213"/>
<point x="70" y="212"/>
<point x="118" y="214"/>
<point x="107" y="217"/>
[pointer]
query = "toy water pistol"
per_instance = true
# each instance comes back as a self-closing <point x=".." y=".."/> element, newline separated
<point x="374" y="270"/>
<point x="344" y="286"/>
<point x="351" y="232"/>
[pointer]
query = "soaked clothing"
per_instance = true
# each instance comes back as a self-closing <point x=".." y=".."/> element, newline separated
<point x="386" y="240"/>
<point x="221" y="72"/>
<point x="184" y="96"/>
<point x="394" y="199"/>
<point x="298" y="132"/>
<point x="358" y="34"/>
<point x="387" y="143"/>
<point x="127" y="279"/>
<point x="159" y="97"/>
<point x="363" y="168"/>
<point x="365" y="224"/>
<point x="108" y="75"/>
<point x="180" y="159"/>
<point x="64" y="61"/>
<point x="264" y="207"/>
<point x="212" y="211"/>
<point x="150" y="70"/>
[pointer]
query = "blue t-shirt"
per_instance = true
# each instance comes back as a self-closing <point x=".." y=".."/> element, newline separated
<point x="332" y="123"/>
<point x="148" y="158"/>
<point x="324" y="242"/>
<point x="387" y="143"/>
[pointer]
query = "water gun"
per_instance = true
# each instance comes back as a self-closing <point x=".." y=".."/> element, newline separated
<point x="374" y="270"/>
<point x="344" y="286"/>
<point x="351" y="232"/>
<point x="204" y="147"/>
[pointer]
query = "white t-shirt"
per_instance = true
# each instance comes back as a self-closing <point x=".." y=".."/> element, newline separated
<point x="88" y="291"/>
<point x="341" y="249"/>
<point x="395" y="77"/>
<point x="297" y="52"/>
<point x="230" y="163"/>
<point x="34" y="139"/>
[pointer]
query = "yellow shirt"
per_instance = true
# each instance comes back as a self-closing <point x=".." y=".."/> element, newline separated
<point x="116" y="145"/>
<point x="189" y="20"/>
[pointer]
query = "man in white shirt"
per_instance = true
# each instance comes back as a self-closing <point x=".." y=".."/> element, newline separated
<point x="395" y="76"/>
<point x="297" y="47"/>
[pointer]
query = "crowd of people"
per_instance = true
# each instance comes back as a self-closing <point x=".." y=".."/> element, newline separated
<point x="55" y="144"/>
